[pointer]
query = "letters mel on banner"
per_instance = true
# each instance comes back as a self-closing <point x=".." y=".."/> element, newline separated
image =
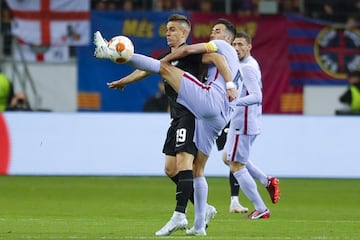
<point x="321" y="52"/>
<point x="270" y="48"/>
<point x="51" y="22"/>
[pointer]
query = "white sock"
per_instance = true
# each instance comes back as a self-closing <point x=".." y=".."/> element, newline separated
<point x="145" y="63"/>
<point x="200" y="201"/>
<point x="257" y="173"/>
<point x="249" y="187"/>
<point x="234" y="198"/>
<point x="178" y="215"/>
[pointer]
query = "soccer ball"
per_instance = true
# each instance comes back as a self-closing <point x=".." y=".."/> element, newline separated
<point x="121" y="49"/>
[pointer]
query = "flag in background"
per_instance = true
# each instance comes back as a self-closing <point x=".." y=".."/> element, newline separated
<point x="321" y="53"/>
<point x="51" y="22"/>
<point x="32" y="53"/>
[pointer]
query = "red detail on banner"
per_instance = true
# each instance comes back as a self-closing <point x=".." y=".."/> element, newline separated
<point x="4" y="147"/>
<point x="45" y="15"/>
<point x="269" y="47"/>
<point x="302" y="41"/>
<point x="40" y="57"/>
<point x="302" y="57"/>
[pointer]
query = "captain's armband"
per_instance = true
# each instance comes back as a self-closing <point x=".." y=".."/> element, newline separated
<point x="210" y="47"/>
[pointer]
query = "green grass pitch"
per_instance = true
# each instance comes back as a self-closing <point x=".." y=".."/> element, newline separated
<point x="44" y="207"/>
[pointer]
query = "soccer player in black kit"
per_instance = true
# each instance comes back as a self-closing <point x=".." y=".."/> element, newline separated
<point x="179" y="147"/>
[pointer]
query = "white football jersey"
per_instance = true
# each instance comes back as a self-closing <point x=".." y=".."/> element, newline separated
<point x="246" y="118"/>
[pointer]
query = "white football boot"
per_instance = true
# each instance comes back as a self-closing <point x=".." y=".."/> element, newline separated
<point x="101" y="49"/>
<point x="198" y="232"/>
<point x="236" y="207"/>
<point x="178" y="221"/>
<point x="210" y="214"/>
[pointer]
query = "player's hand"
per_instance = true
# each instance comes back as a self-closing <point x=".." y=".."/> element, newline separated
<point x="118" y="84"/>
<point x="232" y="94"/>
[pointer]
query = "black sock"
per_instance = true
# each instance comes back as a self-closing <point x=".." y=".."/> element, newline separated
<point x="192" y="197"/>
<point x="184" y="190"/>
<point x="234" y="185"/>
<point x="175" y="178"/>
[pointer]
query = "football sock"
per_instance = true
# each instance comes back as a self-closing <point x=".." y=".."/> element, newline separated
<point x="192" y="197"/>
<point x="257" y="173"/>
<point x="249" y="187"/>
<point x="183" y="190"/>
<point x="234" y="185"/>
<point x="175" y="179"/>
<point x="200" y="204"/>
<point x="234" y="198"/>
<point x="145" y="63"/>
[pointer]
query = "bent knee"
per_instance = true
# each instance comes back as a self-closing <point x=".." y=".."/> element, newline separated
<point x="170" y="172"/>
<point x="225" y="160"/>
<point x="236" y="166"/>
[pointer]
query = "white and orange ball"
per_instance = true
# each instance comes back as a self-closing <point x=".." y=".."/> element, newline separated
<point x="121" y="48"/>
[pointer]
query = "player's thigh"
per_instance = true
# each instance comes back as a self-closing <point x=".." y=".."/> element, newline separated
<point x="184" y="135"/>
<point x="173" y="75"/>
<point x="170" y="166"/>
<point x="184" y="161"/>
<point x="199" y="164"/>
<point x="238" y="147"/>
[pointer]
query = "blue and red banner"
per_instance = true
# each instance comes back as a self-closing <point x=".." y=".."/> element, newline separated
<point x="320" y="52"/>
<point x="147" y="29"/>
<point x="269" y="47"/>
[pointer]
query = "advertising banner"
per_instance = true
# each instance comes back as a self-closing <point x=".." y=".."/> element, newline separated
<point x="270" y="48"/>
<point x="147" y="31"/>
<point x="321" y="52"/>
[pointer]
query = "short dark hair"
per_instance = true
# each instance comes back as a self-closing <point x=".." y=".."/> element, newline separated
<point x="229" y="26"/>
<point x="179" y="17"/>
<point x="243" y="34"/>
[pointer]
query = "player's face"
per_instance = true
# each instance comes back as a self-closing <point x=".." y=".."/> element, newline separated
<point x="242" y="47"/>
<point x="175" y="35"/>
<point x="218" y="32"/>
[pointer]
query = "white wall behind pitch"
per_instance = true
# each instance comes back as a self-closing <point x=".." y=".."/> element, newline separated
<point x="131" y="144"/>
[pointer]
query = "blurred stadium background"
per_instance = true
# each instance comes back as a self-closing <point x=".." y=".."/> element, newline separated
<point x="305" y="48"/>
<point x="85" y="161"/>
<point x="303" y="71"/>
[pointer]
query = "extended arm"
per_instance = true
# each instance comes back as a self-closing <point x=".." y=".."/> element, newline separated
<point x="186" y="50"/>
<point x="253" y="87"/>
<point x="135" y="76"/>
<point x="221" y="64"/>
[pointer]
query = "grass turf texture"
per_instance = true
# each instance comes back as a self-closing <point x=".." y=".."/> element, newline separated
<point x="136" y="207"/>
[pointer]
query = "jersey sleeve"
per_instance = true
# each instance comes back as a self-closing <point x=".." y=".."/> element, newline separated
<point x="253" y="88"/>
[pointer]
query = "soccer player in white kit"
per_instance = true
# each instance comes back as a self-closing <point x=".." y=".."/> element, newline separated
<point x="244" y="127"/>
<point x="210" y="102"/>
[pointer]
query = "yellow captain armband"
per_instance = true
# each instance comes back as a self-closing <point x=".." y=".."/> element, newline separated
<point x="211" y="47"/>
